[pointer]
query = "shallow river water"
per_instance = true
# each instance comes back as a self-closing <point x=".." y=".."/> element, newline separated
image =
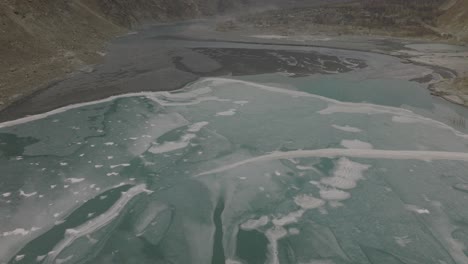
<point x="352" y="167"/>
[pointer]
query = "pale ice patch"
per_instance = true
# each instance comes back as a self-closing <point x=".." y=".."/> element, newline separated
<point x="119" y="165"/>
<point x="402" y="241"/>
<point x="338" y="182"/>
<point x="241" y="102"/>
<point x="334" y="195"/>
<point x="290" y="218"/>
<point x="19" y="232"/>
<point x="299" y="167"/>
<point x="405" y="119"/>
<point x="160" y="124"/>
<point x="308" y="202"/>
<point x="7" y="194"/>
<point x="293" y="231"/>
<point x="350" y="169"/>
<point x="229" y="112"/>
<point x="172" y="145"/>
<point x="355" y="144"/>
<point x="197" y="127"/>
<point x="74" y="180"/>
<point x="27" y="195"/>
<point x="253" y="224"/>
<point x="347" y="128"/>
<point x="416" y="209"/>
<point x="346" y="174"/>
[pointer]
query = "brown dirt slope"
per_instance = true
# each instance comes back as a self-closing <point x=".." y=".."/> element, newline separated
<point x="455" y="19"/>
<point x="45" y="39"/>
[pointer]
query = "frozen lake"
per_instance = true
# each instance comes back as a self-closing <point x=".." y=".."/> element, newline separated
<point x="348" y="161"/>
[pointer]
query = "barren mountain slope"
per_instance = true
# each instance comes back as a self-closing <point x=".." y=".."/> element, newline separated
<point x="45" y="39"/>
<point x="455" y="19"/>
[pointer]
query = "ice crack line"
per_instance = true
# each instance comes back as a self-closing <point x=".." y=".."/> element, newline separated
<point x="351" y="153"/>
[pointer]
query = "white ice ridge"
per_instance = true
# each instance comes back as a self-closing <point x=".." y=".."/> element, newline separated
<point x="150" y="95"/>
<point x="196" y="127"/>
<point x="89" y="227"/>
<point x="229" y="112"/>
<point x="347" y="128"/>
<point x="67" y="108"/>
<point x="352" y="153"/>
<point x="200" y="88"/>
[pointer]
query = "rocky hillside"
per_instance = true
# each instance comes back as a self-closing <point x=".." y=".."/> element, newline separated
<point x="45" y="39"/>
<point x="455" y="19"/>
<point x="402" y="18"/>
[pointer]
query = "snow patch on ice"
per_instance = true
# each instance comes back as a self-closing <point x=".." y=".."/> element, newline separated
<point x="347" y="128"/>
<point x="27" y="195"/>
<point x="197" y="127"/>
<point x="229" y="112"/>
<point x="346" y="174"/>
<point x="293" y="231"/>
<point x="253" y="224"/>
<point x="19" y="232"/>
<point x="242" y="103"/>
<point x="119" y="165"/>
<point x="402" y="241"/>
<point x="74" y="180"/>
<point x="308" y="202"/>
<point x="290" y="218"/>
<point x="334" y="195"/>
<point x="416" y="209"/>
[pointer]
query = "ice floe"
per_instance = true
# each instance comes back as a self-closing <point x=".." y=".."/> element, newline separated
<point x="229" y="112"/>
<point x="347" y="128"/>
<point x="253" y="224"/>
